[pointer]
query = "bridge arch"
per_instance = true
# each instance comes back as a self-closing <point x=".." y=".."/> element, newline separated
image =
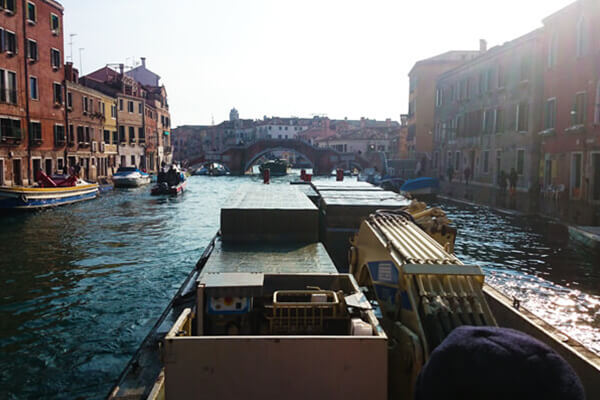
<point x="257" y="156"/>
<point x="323" y="159"/>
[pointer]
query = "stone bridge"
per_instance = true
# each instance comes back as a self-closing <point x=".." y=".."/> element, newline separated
<point x="323" y="160"/>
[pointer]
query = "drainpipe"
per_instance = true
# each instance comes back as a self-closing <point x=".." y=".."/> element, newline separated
<point x="27" y="115"/>
<point x="66" y="152"/>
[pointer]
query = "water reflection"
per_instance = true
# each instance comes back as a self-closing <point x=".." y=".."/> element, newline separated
<point x="533" y="260"/>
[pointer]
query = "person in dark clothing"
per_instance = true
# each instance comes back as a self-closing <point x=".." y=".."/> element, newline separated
<point x="496" y="364"/>
<point x="512" y="179"/>
<point x="502" y="181"/>
<point x="450" y="173"/>
<point x="467" y="175"/>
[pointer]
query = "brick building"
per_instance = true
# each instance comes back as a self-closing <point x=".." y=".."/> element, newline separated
<point x="421" y="101"/>
<point x="571" y="122"/>
<point x="488" y="113"/>
<point x="32" y="112"/>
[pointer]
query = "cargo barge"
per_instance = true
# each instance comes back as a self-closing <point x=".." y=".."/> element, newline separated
<point x="266" y="312"/>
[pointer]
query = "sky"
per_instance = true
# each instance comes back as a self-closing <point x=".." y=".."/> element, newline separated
<point x="287" y="57"/>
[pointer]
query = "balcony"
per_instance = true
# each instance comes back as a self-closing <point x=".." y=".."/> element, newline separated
<point x="575" y="129"/>
<point x="11" y="137"/>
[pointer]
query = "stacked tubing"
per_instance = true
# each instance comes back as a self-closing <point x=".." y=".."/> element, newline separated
<point x="447" y="301"/>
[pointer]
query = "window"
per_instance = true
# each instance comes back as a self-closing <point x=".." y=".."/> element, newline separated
<point x="54" y="23"/>
<point x="35" y="131"/>
<point x="576" y="174"/>
<point x="488" y="121"/>
<point x="10" y="42"/>
<point x="130" y="106"/>
<point x="59" y="135"/>
<point x="33" y="88"/>
<point x="80" y="136"/>
<point x="131" y="135"/>
<point x="55" y="58"/>
<point x="520" y="161"/>
<point x="597" y="111"/>
<point x="8" y="87"/>
<point x="70" y="100"/>
<point x="486" y="162"/>
<point x="140" y="110"/>
<point x="87" y="134"/>
<point x="550" y="114"/>
<point x="71" y="134"/>
<point x="32" y="50"/>
<point x="58" y="97"/>
<point x="141" y="135"/>
<point x="120" y="104"/>
<point x="522" y="117"/>
<point x="9" y="5"/>
<point x="113" y="111"/>
<point x="457" y="161"/>
<point x="552" y="50"/>
<point x="578" y="114"/>
<point x="106" y="136"/>
<point x="115" y="136"/>
<point x="133" y="161"/>
<point x="438" y="97"/>
<point x="121" y="134"/>
<point x="102" y="108"/>
<point x="468" y="89"/>
<point x="31" y="12"/>
<point x="2" y="38"/>
<point x="85" y="105"/>
<point x="10" y="128"/>
<point x="499" y="126"/>
<point x="581" y="37"/>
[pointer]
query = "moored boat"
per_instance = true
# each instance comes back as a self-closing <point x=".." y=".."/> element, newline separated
<point x="421" y="186"/>
<point x="51" y="192"/>
<point x="587" y="235"/>
<point x="129" y="177"/>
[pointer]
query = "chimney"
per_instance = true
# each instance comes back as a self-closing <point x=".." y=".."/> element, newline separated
<point x="144" y="62"/>
<point x="69" y="71"/>
<point x="388" y="122"/>
<point x="482" y="45"/>
<point x="121" y="68"/>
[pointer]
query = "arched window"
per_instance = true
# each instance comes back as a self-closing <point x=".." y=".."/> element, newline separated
<point x="581" y="37"/>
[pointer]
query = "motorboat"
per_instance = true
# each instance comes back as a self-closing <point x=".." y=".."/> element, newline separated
<point x="49" y="192"/>
<point x="130" y="177"/>
<point x="172" y="183"/>
<point x="277" y="167"/>
<point x="421" y="186"/>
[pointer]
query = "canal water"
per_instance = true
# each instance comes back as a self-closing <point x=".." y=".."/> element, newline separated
<point x="82" y="285"/>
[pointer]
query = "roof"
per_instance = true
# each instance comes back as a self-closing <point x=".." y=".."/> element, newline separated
<point x="449" y="56"/>
<point x="361" y="134"/>
<point x="563" y="10"/>
<point x="493" y="52"/>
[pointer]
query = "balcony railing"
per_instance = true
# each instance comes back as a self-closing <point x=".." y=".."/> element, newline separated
<point x="13" y="136"/>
